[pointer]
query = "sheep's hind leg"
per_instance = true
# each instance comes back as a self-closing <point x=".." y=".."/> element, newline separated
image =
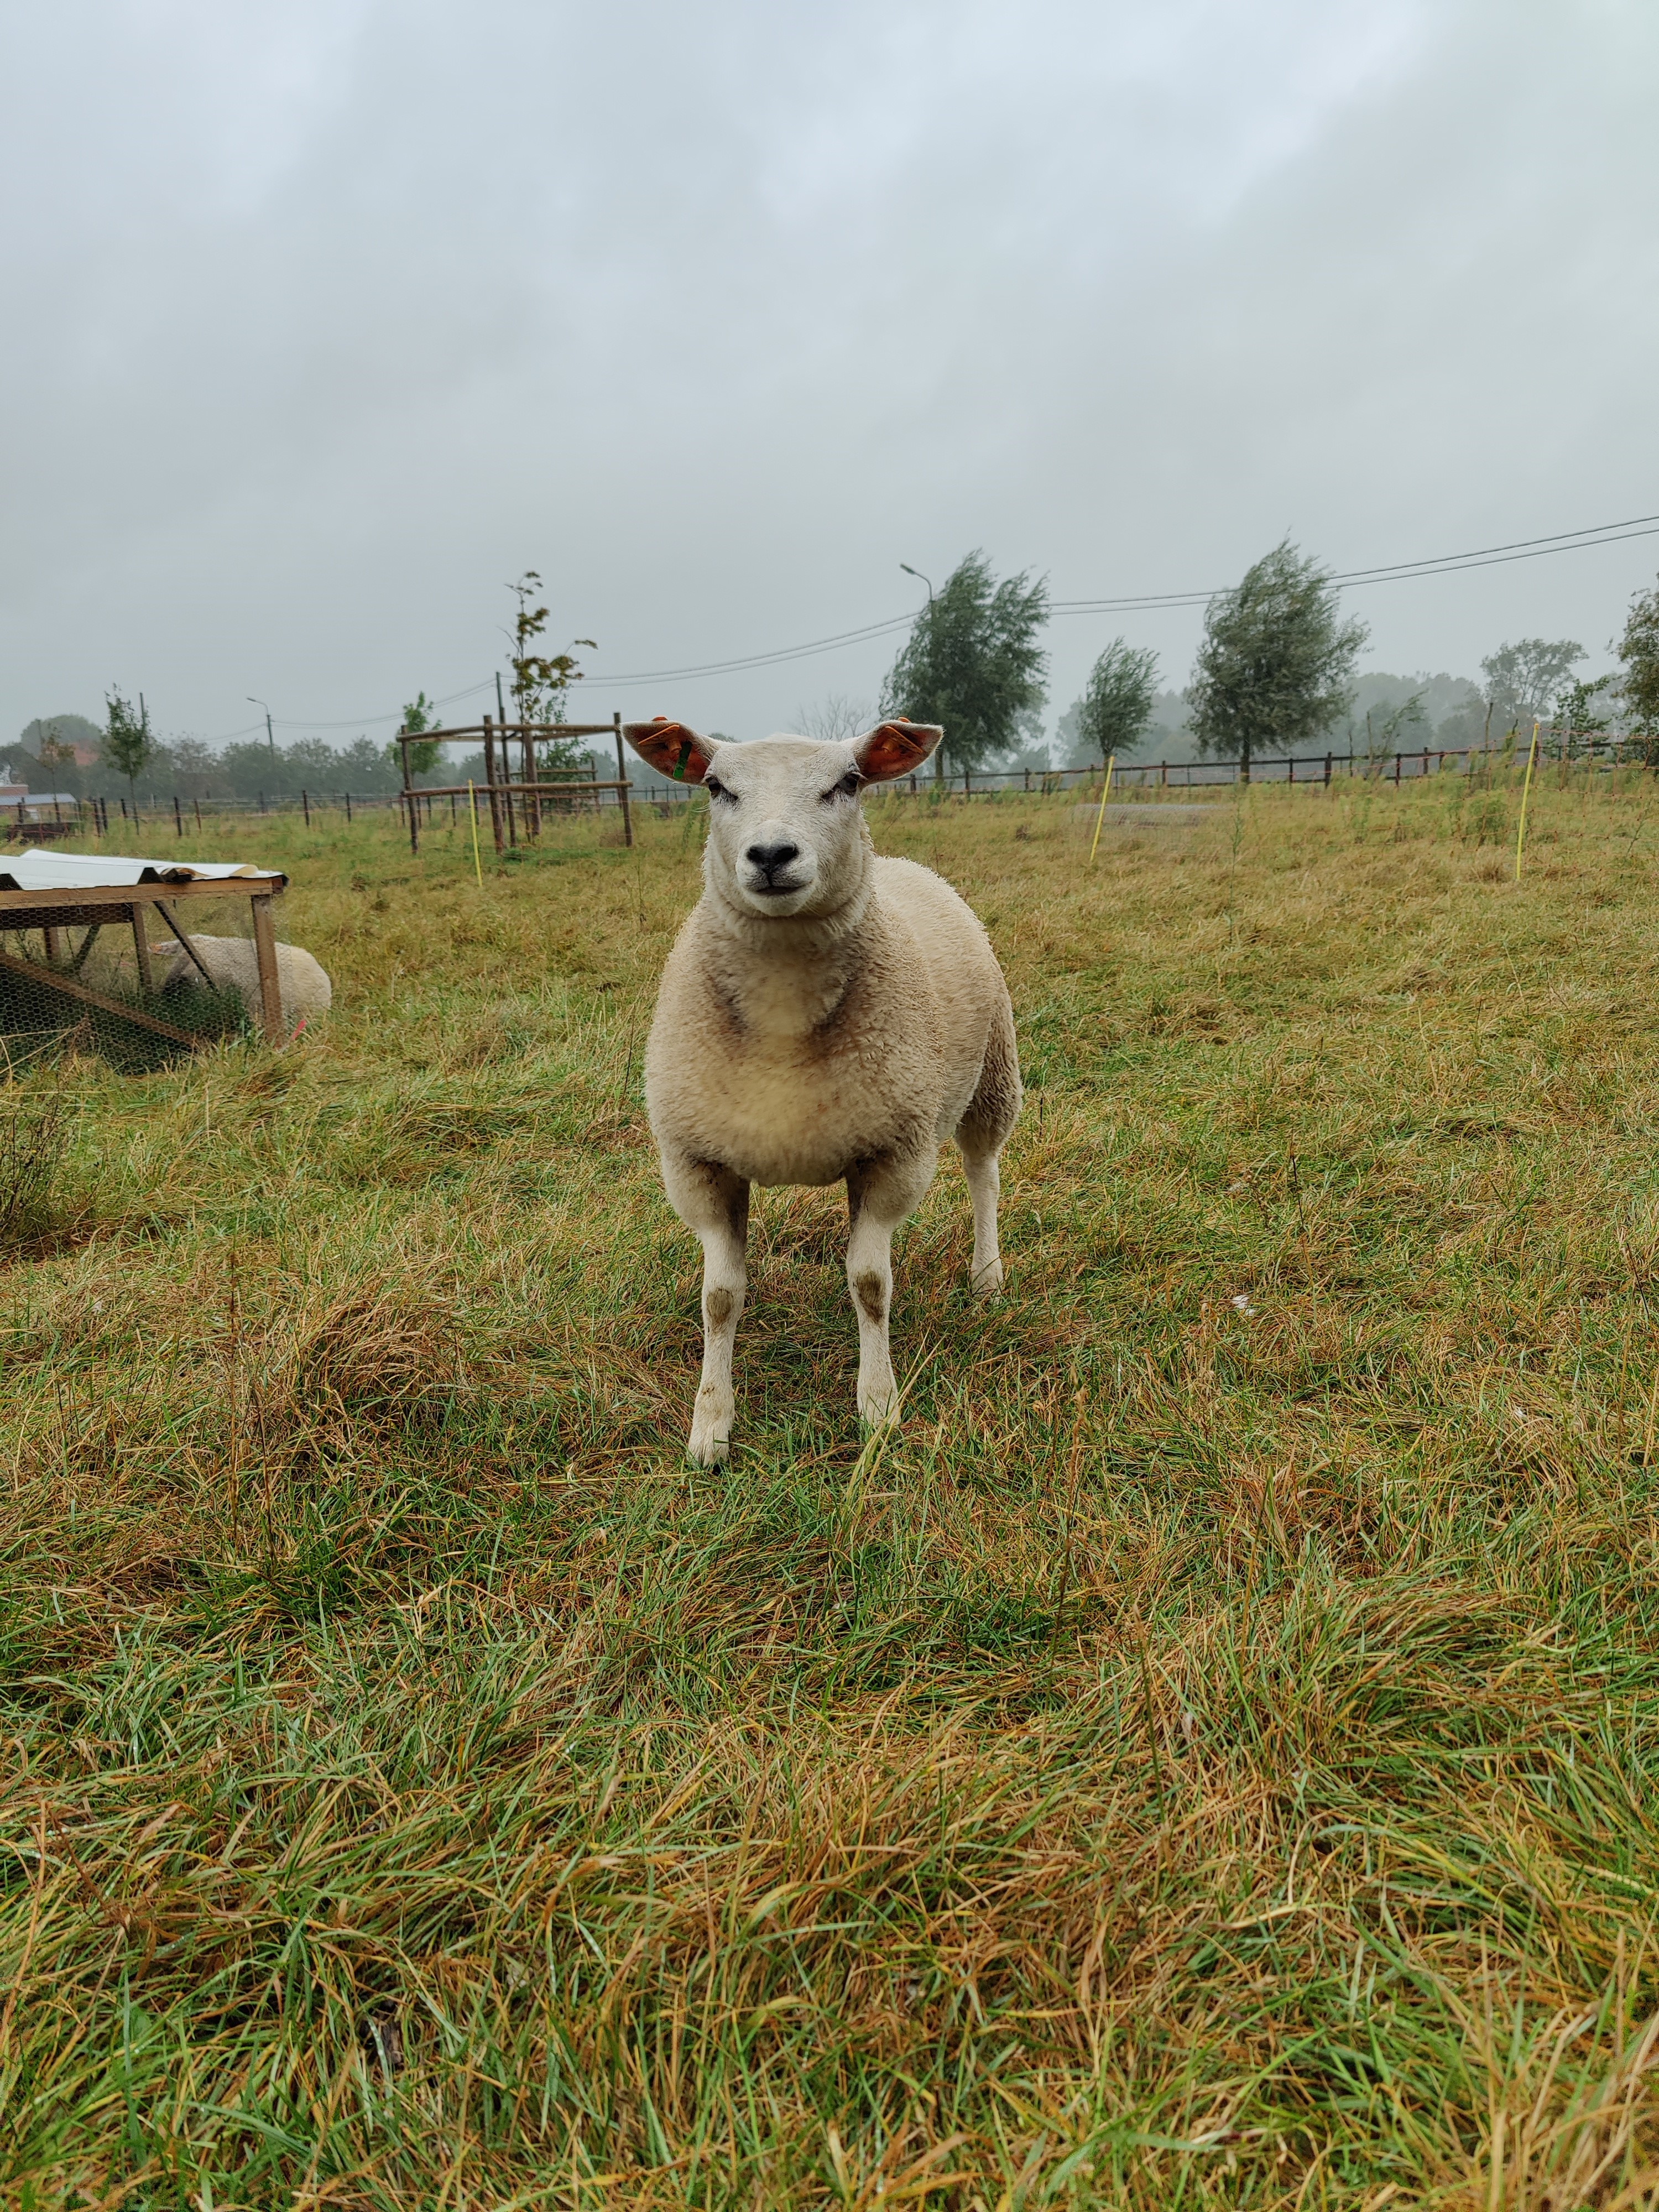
<point x="984" y="1187"/>
<point x="980" y="1136"/>
<point x="714" y="1203"/>
<point x="877" y="1202"/>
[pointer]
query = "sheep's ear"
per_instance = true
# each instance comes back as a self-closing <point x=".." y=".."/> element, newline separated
<point x="671" y="749"/>
<point x="896" y="748"/>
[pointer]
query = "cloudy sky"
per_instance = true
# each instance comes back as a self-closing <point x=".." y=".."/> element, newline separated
<point x="326" y="318"/>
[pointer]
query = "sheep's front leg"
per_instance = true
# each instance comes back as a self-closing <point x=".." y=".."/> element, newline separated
<point x="877" y="1202"/>
<point x="714" y="1202"/>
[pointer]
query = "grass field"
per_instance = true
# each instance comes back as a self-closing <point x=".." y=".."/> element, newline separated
<point x="1205" y="1758"/>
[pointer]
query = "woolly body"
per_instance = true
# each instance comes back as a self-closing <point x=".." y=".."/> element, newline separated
<point x="791" y="1051"/>
<point x="234" y="965"/>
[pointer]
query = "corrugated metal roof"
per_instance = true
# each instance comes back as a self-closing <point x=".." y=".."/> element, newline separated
<point x="38" y="869"/>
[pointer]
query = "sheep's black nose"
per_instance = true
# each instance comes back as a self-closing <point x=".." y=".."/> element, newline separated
<point x="768" y="859"/>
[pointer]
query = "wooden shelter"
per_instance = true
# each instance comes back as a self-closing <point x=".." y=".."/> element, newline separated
<point x="55" y="893"/>
<point x="515" y="802"/>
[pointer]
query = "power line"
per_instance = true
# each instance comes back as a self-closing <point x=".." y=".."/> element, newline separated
<point x="1443" y="564"/>
<point x="1522" y="548"/>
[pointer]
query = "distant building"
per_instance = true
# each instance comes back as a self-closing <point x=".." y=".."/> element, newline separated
<point x="19" y="803"/>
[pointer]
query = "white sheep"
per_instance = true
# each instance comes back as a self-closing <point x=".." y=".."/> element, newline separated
<point x="233" y="965"/>
<point x="825" y="1015"/>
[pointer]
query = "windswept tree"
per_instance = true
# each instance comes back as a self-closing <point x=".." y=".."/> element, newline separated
<point x="129" y="742"/>
<point x="973" y="662"/>
<point x="1639" y="648"/>
<point x="540" y="680"/>
<point x="1275" y="666"/>
<point x="1115" y="711"/>
<point x="419" y="714"/>
<point x="1522" y="679"/>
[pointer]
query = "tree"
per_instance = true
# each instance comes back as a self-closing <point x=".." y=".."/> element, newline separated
<point x="836" y="720"/>
<point x="53" y="740"/>
<point x="1581" y="711"/>
<point x="1639" y="648"/>
<point x="541" y="680"/>
<point x="420" y="714"/>
<point x="1522" y="678"/>
<point x="1385" y="735"/>
<point x="1115" y="711"/>
<point x="57" y="752"/>
<point x="1275" y="666"/>
<point x="972" y="662"/>
<point x="128" y="744"/>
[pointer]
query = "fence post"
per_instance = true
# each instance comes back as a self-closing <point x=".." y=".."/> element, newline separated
<point x="1396" y="768"/>
<point x="490" y="778"/>
<point x="197" y="804"/>
<point x="177" y="818"/>
<point x="622" y="778"/>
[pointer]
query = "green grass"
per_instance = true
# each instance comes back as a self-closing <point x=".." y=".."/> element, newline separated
<point x="1205" y="1758"/>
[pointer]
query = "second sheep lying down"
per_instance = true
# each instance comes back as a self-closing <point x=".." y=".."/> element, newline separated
<point x="231" y="964"/>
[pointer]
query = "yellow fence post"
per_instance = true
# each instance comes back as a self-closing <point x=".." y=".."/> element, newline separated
<point x="1526" y="788"/>
<point x="1101" y="818"/>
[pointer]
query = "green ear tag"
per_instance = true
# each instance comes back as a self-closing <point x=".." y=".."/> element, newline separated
<point x="678" y="769"/>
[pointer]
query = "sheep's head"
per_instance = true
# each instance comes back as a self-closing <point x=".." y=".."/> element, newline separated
<point x="786" y="836"/>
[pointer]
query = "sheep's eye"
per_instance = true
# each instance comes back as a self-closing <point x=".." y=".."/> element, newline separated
<point x="714" y="787"/>
<point x="848" y="787"/>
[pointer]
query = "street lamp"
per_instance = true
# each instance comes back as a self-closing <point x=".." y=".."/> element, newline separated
<point x="253" y="701"/>
<point x="920" y="578"/>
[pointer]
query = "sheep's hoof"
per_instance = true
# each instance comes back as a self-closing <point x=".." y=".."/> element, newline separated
<point x="987" y="1281"/>
<point x="878" y="1411"/>
<point x="706" y="1449"/>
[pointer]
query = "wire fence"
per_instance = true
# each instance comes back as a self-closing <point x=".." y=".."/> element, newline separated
<point x="1578" y="749"/>
<point x="62" y="816"/>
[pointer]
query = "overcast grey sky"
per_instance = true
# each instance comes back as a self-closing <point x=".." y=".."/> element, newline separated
<point x="324" y="318"/>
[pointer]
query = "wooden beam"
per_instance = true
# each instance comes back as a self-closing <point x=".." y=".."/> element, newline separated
<point x="623" y="786"/>
<point x="264" y="953"/>
<point x="167" y="918"/>
<point x="73" y="901"/>
<point x="141" y="950"/>
<point x="542" y="732"/>
<point x="545" y="789"/>
<point x="51" y="979"/>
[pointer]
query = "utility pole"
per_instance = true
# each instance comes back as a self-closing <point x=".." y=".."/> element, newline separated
<point x="253" y="701"/>
<point x="938" y="757"/>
